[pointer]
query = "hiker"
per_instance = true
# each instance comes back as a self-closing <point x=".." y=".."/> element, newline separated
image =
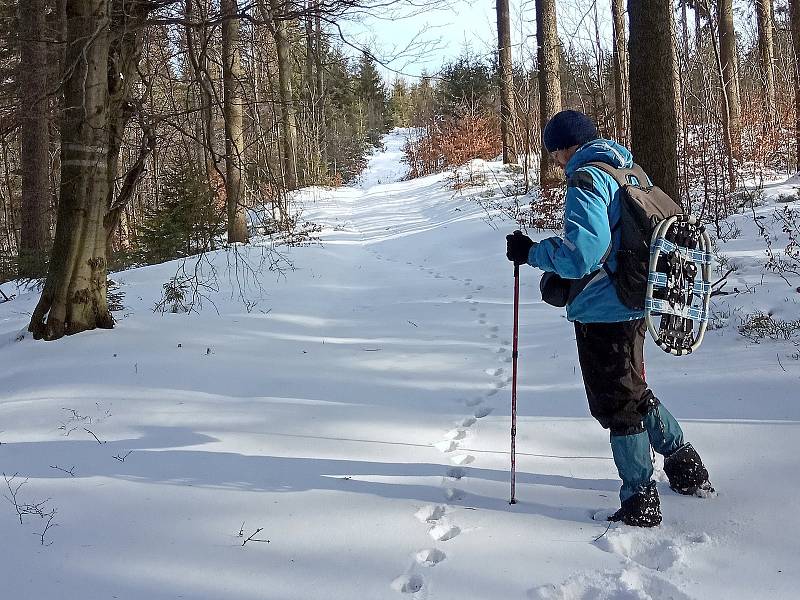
<point x="609" y="334"/>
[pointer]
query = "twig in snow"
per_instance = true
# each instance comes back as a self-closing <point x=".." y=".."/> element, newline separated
<point x="71" y="471"/>
<point x="253" y="537"/>
<point x="89" y="431"/>
<point x="372" y="349"/>
<point x="50" y="516"/>
<point x="605" y="532"/>
<point x="414" y="324"/>
<point x="241" y="530"/>
<point x="123" y="457"/>
<point x="779" y="362"/>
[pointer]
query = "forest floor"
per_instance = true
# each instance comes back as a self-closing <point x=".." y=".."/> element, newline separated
<point x="340" y="431"/>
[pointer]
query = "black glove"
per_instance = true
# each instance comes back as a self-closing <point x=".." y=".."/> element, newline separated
<point x="518" y="245"/>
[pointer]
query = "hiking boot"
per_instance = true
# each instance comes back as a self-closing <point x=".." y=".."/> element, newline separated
<point x="686" y="472"/>
<point x="643" y="509"/>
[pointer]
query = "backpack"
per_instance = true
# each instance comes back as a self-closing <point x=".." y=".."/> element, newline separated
<point x="663" y="262"/>
<point x="642" y="208"/>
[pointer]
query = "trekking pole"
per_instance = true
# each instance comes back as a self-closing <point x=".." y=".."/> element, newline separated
<point x="514" y="386"/>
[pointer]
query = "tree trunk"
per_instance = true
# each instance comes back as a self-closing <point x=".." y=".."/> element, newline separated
<point x="234" y="137"/>
<point x="654" y="126"/>
<point x="74" y="295"/>
<point x="549" y="80"/>
<point x="766" y="49"/>
<point x="620" y="66"/>
<point x="103" y="48"/>
<point x="283" y="49"/>
<point x="794" y="15"/>
<point x="33" y="113"/>
<point x="506" y="82"/>
<point x="732" y="117"/>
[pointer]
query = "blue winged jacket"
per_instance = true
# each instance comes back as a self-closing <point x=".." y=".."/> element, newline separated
<point x="591" y="212"/>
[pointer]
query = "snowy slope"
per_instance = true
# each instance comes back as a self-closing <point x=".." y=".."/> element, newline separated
<point x="358" y="413"/>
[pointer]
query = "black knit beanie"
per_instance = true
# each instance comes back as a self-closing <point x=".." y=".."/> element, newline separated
<point x="568" y="128"/>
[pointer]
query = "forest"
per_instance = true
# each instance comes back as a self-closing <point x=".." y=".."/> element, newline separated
<point x="137" y="131"/>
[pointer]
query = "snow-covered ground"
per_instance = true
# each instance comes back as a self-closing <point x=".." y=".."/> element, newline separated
<point x="355" y="414"/>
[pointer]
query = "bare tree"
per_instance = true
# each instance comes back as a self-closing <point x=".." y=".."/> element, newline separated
<point x="620" y="68"/>
<point x="766" y="49"/>
<point x="794" y="17"/>
<point x="289" y="127"/>
<point x="549" y="79"/>
<point x="732" y="113"/>
<point x="33" y="116"/>
<point x="654" y="125"/>
<point x="103" y="47"/>
<point x="234" y="137"/>
<point x="506" y="82"/>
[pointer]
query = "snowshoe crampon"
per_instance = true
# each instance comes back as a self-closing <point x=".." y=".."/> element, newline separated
<point x="679" y="284"/>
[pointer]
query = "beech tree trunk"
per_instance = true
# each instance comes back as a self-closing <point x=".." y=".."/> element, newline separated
<point x="103" y="47"/>
<point x="506" y="82"/>
<point x="33" y="116"/>
<point x="234" y="136"/>
<point x="288" y="126"/>
<point x="732" y="111"/>
<point x="766" y="49"/>
<point x="549" y="80"/>
<point x="654" y="123"/>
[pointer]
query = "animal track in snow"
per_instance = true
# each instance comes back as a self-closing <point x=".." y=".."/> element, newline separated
<point x="408" y="584"/>
<point x="483" y="411"/>
<point x="472" y="308"/>
<point x="446" y="445"/>
<point x="462" y="459"/>
<point x="482" y="315"/>
<point x="455" y="473"/>
<point x="468" y="422"/>
<point x="454" y="494"/>
<point x="479" y="287"/>
<point x="469" y="297"/>
<point x="430" y="557"/>
<point x="430" y="513"/>
<point x="455" y="434"/>
<point x="473" y="401"/>
<point x="494" y="328"/>
<point x="481" y="321"/>
<point x="493" y="372"/>
<point x="442" y="532"/>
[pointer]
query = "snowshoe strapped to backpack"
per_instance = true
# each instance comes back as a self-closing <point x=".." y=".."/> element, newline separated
<point x="663" y="261"/>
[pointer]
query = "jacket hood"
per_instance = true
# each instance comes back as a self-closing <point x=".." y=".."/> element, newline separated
<point x="600" y="150"/>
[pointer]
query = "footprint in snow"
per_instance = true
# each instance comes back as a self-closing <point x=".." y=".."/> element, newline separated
<point x="483" y="411"/>
<point x="492" y="392"/>
<point x="490" y="336"/>
<point x="455" y="473"/>
<point x="462" y="459"/>
<point x="482" y="321"/>
<point x="430" y="513"/>
<point x="479" y="288"/>
<point x="430" y="557"/>
<point x="442" y="532"/>
<point x="455" y="434"/>
<point x="446" y="446"/>
<point x="472" y="308"/>
<point x="633" y="582"/>
<point x="408" y="584"/>
<point x="454" y="494"/>
<point x="494" y="328"/>
<point x="650" y="549"/>
<point x="501" y="349"/>
<point x="468" y="422"/>
<point x="468" y="297"/>
<point x="482" y="315"/>
<point x="473" y="401"/>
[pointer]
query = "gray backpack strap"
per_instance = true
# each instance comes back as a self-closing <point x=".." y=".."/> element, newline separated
<point x="634" y="176"/>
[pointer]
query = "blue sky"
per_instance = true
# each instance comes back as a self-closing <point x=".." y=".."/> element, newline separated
<point x="461" y="23"/>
